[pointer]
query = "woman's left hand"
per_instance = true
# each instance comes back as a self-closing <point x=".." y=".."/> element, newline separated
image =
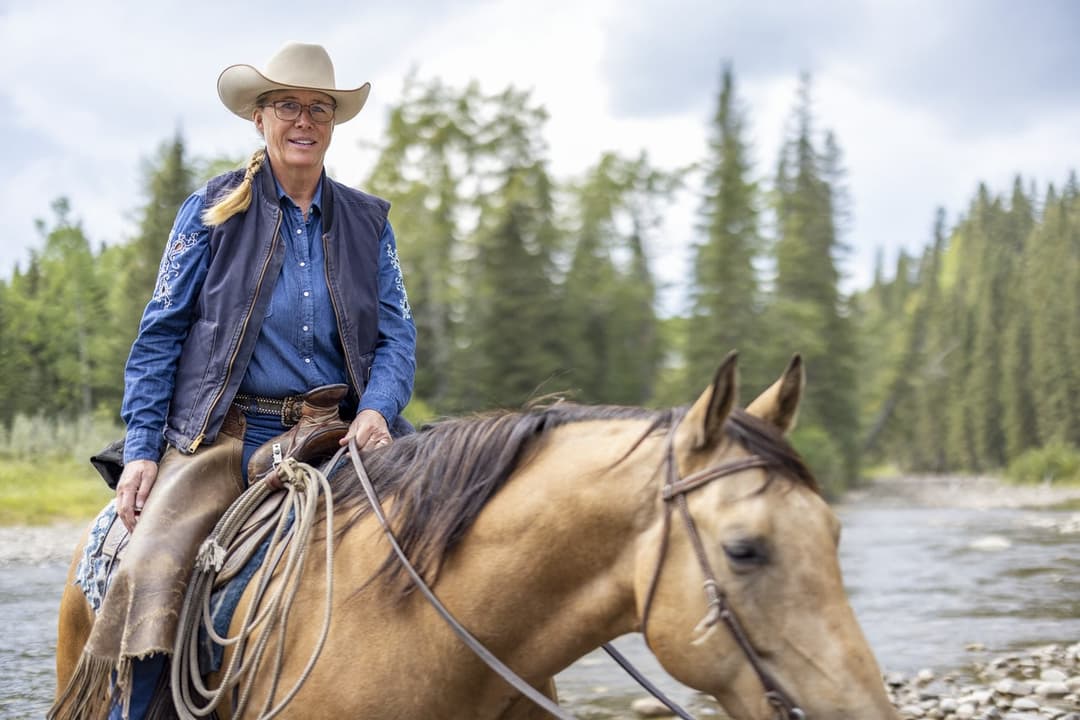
<point x="369" y="429"/>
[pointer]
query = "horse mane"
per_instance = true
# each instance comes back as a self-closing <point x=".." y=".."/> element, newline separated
<point x="442" y="476"/>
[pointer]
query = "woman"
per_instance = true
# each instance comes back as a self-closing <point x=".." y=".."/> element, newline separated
<point x="276" y="280"/>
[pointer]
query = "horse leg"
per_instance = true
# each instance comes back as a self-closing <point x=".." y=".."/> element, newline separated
<point x="525" y="709"/>
<point x="73" y="625"/>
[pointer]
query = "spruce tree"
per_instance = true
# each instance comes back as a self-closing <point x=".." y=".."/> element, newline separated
<point x="725" y="298"/>
<point x="808" y="303"/>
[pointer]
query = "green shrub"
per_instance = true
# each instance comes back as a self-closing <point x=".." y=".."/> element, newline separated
<point x="45" y="473"/>
<point x="42" y="491"/>
<point x="1056" y="463"/>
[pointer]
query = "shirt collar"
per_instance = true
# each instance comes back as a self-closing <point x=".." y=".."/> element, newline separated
<point x="316" y="202"/>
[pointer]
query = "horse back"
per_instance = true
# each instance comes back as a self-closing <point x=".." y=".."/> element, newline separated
<point x="73" y="624"/>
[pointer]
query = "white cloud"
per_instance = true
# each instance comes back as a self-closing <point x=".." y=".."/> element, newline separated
<point x="88" y="90"/>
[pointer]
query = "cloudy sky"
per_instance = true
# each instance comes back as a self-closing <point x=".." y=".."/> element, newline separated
<point x="927" y="98"/>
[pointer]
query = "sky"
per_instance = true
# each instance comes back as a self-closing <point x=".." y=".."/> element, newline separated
<point x="926" y="98"/>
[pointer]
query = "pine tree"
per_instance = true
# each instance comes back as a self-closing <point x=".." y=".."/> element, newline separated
<point x="807" y="296"/>
<point x="1054" y="258"/>
<point x="513" y="348"/>
<point x="990" y="271"/>
<point x="725" y="297"/>
<point x="928" y="440"/>
<point x="1019" y="420"/>
<point x="169" y="180"/>
<point x="425" y="166"/>
<point x="611" y="342"/>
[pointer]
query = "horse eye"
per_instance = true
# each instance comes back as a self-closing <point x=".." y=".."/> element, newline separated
<point x="745" y="554"/>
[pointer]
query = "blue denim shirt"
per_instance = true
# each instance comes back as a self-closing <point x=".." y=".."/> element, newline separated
<point x="298" y="347"/>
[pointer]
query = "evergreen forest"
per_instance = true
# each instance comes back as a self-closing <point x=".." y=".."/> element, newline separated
<point x="523" y="285"/>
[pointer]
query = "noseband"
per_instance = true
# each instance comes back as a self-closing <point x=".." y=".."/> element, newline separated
<point x="674" y="495"/>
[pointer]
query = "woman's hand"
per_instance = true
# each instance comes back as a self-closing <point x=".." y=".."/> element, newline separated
<point x="132" y="490"/>
<point x="369" y="429"/>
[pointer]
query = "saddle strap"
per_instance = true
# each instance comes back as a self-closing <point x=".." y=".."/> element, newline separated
<point x="466" y="637"/>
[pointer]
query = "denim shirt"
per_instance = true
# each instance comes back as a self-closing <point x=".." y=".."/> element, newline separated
<point x="287" y="359"/>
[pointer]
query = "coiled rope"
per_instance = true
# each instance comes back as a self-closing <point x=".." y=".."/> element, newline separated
<point x="191" y="697"/>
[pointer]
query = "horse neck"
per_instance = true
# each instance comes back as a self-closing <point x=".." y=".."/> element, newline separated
<point x="553" y="554"/>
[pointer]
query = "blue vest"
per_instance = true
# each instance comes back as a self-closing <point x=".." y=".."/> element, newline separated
<point x="246" y="254"/>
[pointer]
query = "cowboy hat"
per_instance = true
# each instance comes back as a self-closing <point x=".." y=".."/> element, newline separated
<point x="294" y="67"/>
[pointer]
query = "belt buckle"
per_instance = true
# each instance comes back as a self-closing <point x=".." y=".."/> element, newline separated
<point x="291" y="410"/>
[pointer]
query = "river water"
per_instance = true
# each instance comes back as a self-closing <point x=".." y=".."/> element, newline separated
<point x="925" y="582"/>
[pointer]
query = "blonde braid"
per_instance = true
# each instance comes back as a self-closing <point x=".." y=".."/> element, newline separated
<point x="239" y="198"/>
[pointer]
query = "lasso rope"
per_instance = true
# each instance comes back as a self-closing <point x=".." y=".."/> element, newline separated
<point x="192" y="698"/>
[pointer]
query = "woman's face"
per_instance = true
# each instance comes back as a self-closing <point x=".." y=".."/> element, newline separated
<point x="299" y="144"/>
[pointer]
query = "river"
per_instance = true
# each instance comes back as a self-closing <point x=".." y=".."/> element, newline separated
<point x="927" y="581"/>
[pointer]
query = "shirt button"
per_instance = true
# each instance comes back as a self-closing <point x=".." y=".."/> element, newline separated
<point x="307" y="360"/>
<point x="299" y="231"/>
<point x="305" y="328"/>
<point x="302" y="264"/>
<point x="306" y="293"/>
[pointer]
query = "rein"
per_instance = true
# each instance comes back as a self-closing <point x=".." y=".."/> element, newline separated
<point x="482" y="652"/>
<point x="674" y="495"/>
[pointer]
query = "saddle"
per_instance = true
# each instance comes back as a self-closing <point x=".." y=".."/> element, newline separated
<point x="313" y="440"/>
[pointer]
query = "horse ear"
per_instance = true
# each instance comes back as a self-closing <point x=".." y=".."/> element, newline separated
<point x="779" y="404"/>
<point x="704" y="422"/>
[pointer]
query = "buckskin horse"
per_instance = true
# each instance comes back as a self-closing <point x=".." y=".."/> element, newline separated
<point x="550" y="531"/>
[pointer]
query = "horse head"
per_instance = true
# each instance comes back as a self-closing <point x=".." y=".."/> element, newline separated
<point x="764" y="566"/>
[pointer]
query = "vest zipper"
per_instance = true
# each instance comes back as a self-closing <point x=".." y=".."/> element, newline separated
<point x="243" y="330"/>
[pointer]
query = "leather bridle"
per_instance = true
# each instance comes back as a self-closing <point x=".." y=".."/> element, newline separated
<point x="674" y="496"/>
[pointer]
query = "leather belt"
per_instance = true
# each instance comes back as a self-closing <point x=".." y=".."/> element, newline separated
<point x="287" y="409"/>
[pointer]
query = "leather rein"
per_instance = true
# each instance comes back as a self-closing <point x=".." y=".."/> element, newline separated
<point x="674" y="494"/>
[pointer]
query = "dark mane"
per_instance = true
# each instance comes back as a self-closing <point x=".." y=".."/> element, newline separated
<point x="443" y="476"/>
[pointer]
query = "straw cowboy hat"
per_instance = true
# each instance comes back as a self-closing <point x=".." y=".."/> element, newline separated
<point x="295" y="67"/>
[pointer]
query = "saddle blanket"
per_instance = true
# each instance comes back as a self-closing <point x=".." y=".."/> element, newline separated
<point x="104" y="552"/>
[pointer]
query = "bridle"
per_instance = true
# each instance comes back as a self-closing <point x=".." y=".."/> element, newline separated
<point x="674" y="496"/>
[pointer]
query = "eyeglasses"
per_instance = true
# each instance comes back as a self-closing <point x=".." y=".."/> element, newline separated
<point x="289" y="110"/>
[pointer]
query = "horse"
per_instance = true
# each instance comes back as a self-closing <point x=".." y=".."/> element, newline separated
<point x="552" y="530"/>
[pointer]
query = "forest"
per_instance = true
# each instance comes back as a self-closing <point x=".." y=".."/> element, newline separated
<point x="955" y="360"/>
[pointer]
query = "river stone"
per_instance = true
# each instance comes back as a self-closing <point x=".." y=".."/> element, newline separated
<point x="1053" y="675"/>
<point x="924" y="677"/>
<point x="1025" y="704"/>
<point x="650" y="707"/>
<point x="965" y="711"/>
<point x="912" y="711"/>
<point x="1013" y="687"/>
<point x="895" y="679"/>
<point x="978" y="697"/>
<point x="1052" y="689"/>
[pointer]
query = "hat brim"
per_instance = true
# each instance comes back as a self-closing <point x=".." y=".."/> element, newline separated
<point x="240" y="86"/>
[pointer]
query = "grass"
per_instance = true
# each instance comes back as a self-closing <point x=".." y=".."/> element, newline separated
<point x="48" y="490"/>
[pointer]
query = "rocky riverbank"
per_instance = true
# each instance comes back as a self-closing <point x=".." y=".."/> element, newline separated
<point x="1039" y="684"/>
